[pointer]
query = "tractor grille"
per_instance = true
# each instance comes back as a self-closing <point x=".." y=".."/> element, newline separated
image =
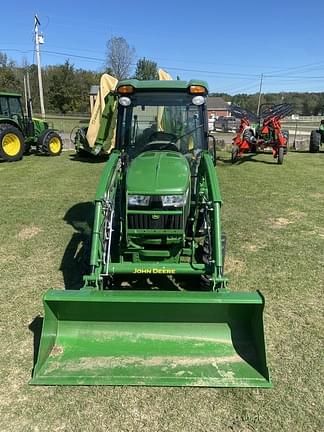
<point x="145" y="221"/>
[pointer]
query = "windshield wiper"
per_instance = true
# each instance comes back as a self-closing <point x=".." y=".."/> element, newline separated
<point x="188" y="133"/>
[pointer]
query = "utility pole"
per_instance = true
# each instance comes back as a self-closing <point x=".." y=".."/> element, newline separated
<point x="259" y="101"/>
<point x="39" y="40"/>
<point x="29" y="99"/>
<point x="25" y="93"/>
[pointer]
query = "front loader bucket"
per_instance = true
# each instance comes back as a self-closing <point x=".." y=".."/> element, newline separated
<point x="155" y="338"/>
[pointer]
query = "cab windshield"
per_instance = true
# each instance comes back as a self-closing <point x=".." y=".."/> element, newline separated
<point x="167" y="121"/>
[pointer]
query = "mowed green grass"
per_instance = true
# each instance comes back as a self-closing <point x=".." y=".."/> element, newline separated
<point x="274" y="220"/>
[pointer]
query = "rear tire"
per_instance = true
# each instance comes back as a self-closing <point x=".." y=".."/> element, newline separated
<point x="280" y="156"/>
<point x="12" y="143"/>
<point x="314" y="142"/>
<point x="50" y="143"/>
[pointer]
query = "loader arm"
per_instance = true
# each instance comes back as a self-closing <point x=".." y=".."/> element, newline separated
<point x="105" y="196"/>
<point x="208" y="173"/>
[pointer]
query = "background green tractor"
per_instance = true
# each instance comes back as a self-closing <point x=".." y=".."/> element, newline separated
<point x="19" y="132"/>
<point x="316" y="138"/>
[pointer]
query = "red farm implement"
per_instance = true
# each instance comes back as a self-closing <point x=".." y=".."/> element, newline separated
<point x="258" y="133"/>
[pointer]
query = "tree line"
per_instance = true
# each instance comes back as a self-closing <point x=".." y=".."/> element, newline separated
<point x="66" y="88"/>
<point x="304" y="103"/>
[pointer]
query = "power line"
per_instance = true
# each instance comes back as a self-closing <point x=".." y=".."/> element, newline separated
<point x="201" y="71"/>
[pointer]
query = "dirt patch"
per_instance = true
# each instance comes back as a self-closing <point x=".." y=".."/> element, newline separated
<point x="279" y="222"/>
<point x="254" y="247"/>
<point x="318" y="232"/>
<point x="29" y="232"/>
<point x="282" y="222"/>
<point x="296" y="215"/>
<point x="7" y="259"/>
<point x="56" y="351"/>
<point x="233" y="265"/>
<point x="317" y="195"/>
<point x="166" y="363"/>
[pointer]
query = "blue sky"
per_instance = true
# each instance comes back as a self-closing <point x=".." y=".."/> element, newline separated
<point x="228" y="43"/>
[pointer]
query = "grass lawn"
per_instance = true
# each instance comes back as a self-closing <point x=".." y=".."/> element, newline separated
<point x="274" y="220"/>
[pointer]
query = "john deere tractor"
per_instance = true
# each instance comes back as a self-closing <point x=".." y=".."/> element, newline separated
<point x="20" y="133"/>
<point x="155" y="308"/>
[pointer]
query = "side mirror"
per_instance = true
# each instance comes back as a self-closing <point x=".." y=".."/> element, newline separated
<point x="213" y="148"/>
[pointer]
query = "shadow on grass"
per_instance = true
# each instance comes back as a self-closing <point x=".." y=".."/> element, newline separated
<point x="88" y="158"/>
<point x="75" y="261"/>
<point x="307" y="151"/>
<point x="249" y="158"/>
<point x="36" y="328"/>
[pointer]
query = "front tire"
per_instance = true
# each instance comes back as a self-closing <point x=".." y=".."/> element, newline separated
<point x="50" y="143"/>
<point x="314" y="142"/>
<point x="12" y="143"/>
<point x="280" y="155"/>
<point x="206" y="283"/>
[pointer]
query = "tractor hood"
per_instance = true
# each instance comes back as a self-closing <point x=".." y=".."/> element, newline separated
<point x="158" y="173"/>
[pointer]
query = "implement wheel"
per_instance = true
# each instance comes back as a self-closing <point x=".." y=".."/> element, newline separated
<point x="235" y="152"/>
<point x="12" y="143"/>
<point x="50" y="143"/>
<point x="280" y="155"/>
<point x="314" y="142"/>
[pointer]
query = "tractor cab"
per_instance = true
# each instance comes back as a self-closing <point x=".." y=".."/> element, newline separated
<point x="158" y="119"/>
<point x="10" y="107"/>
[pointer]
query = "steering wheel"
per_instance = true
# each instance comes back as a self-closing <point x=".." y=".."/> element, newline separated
<point x="160" y="145"/>
<point x="160" y="140"/>
<point x="163" y="136"/>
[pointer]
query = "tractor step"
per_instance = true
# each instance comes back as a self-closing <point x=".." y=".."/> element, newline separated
<point x="157" y="338"/>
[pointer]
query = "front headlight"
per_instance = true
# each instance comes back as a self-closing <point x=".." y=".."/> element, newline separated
<point x="173" y="200"/>
<point x="138" y="200"/>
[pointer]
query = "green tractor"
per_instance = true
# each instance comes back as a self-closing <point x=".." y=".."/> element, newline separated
<point x="316" y="138"/>
<point x="19" y="133"/>
<point x="155" y="308"/>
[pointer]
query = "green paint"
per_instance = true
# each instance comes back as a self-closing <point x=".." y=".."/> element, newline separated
<point x="165" y="173"/>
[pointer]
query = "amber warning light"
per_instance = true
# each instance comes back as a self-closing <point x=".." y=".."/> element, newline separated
<point x="197" y="89"/>
<point x="125" y="89"/>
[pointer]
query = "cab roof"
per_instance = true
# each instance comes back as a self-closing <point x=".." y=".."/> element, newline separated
<point x="10" y="94"/>
<point x="166" y="85"/>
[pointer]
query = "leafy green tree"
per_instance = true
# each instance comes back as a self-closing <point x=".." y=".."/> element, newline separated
<point x="63" y="90"/>
<point x="146" y="69"/>
<point x="9" y="80"/>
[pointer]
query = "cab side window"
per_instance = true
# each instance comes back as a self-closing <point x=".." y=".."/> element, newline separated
<point x="14" y="106"/>
<point x="4" y="107"/>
